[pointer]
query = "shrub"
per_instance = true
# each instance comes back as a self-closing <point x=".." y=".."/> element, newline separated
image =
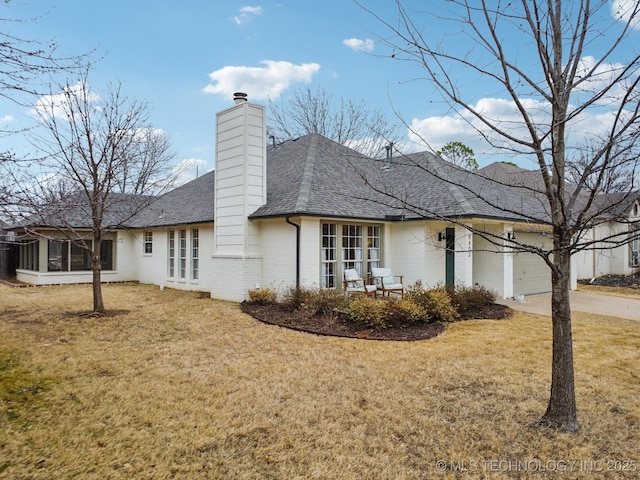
<point x="470" y="299"/>
<point x="296" y="297"/>
<point x="263" y="296"/>
<point x="314" y="300"/>
<point x="435" y="302"/>
<point x="405" y="311"/>
<point x="368" y="312"/>
<point x="325" y="301"/>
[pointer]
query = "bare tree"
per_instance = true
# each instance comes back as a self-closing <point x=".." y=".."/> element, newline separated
<point x="24" y="63"/>
<point x="557" y="63"/>
<point x="347" y="122"/>
<point x="100" y="164"/>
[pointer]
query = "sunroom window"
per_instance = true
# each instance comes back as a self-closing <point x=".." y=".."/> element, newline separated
<point x="66" y="256"/>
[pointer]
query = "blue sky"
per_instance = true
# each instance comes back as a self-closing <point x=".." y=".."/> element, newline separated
<point x="187" y="58"/>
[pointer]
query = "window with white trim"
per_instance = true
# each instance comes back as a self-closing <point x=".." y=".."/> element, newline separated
<point x="352" y="247"/>
<point x="183" y="254"/>
<point x="195" y="254"/>
<point x="373" y="247"/>
<point x="358" y="247"/>
<point x="148" y="243"/>
<point x="171" y="254"/>
<point x="329" y="255"/>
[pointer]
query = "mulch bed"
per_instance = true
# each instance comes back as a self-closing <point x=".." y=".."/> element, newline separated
<point x="630" y="281"/>
<point x="338" y="327"/>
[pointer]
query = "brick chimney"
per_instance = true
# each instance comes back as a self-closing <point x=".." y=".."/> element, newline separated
<point x="240" y="189"/>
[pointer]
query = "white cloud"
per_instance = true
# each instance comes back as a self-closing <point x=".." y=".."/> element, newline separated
<point x="359" y="45"/>
<point x="7" y="119"/>
<point x="602" y="77"/>
<point x="626" y="11"/>
<point x="57" y="105"/>
<point x="246" y="14"/>
<point x="435" y="132"/>
<point x="260" y="83"/>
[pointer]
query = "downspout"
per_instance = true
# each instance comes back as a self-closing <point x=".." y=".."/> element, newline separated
<point x="287" y="219"/>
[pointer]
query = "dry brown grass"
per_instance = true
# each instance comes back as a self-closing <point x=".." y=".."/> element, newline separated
<point x="180" y="386"/>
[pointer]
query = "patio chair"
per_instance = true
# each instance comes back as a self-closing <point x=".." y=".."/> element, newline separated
<point x="386" y="283"/>
<point x="355" y="285"/>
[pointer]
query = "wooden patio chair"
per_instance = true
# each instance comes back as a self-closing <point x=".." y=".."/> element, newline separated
<point x="386" y="283"/>
<point x="355" y="285"/>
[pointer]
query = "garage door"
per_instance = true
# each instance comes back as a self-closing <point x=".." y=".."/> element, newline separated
<point x="530" y="273"/>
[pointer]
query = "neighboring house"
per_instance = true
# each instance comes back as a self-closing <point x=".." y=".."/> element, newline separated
<point x="272" y="215"/>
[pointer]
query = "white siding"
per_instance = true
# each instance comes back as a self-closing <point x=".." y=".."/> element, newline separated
<point x="493" y="265"/>
<point x="240" y="178"/>
<point x="153" y="268"/>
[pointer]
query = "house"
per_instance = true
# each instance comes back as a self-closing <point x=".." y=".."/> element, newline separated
<point x="303" y="211"/>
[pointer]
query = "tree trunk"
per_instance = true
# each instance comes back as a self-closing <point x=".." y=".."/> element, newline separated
<point x="561" y="412"/>
<point x="98" y="303"/>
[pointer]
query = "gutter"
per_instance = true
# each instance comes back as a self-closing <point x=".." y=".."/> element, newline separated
<point x="297" y="227"/>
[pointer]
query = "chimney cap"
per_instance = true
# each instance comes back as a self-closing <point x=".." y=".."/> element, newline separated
<point x="239" y="97"/>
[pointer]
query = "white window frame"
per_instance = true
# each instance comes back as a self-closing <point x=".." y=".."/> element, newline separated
<point x="147" y="242"/>
<point x="195" y="254"/>
<point x="348" y="245"/>
<point x="183" y="254"/>
<point x="171" y="253"/>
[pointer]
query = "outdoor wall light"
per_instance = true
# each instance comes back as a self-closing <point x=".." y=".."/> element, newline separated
<point x="511" y="236"/>
<point x="442" y="236"/>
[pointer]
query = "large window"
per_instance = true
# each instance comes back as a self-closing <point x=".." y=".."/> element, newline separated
<point x="66" y="256"/>
<point x="183" y="254"/>
<point x="172" y="254"/>
<point x="352" y="247"/>
<point x="58" y="257"/>
<point x="30" y="255"/>
<point x="329" y="255"/>
<point x="195" y="254"/>
<point x="373" y="247"/>
<point x="357" y="246"/>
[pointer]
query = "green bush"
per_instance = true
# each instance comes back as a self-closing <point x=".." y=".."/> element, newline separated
<point x="368" y="312"/>
<point x="402" y="312"/>
<point x="435" y="302"/>
<point x="263" y="296"/>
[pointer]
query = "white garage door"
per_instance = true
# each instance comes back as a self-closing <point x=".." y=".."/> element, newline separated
<point x="530" y="273"/>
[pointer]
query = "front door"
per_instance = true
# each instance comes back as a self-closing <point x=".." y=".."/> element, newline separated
<point x="450" y="257"/>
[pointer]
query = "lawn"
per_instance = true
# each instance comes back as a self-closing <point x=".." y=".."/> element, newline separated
<point x="176" y="385"/>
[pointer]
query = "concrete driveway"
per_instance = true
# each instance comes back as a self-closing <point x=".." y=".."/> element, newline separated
<point x="598" y="303"/>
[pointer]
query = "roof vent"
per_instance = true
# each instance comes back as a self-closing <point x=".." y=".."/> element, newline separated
<point x="389" y="164"/>
<point x="239" y="97"/>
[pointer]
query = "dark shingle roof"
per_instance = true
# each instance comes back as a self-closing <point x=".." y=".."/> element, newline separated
<point x="73" y="211"/>
<point x="189" y="203"/>
<point x="315" y="176"/>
